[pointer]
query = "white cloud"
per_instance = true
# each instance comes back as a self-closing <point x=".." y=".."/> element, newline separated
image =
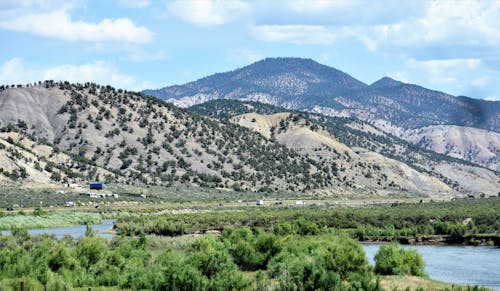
<point x="480" y="82"/>
<point x="15" y="72"/>
<point x="59" y="25"/>
<point x="318" y="6"/>
<point x="492" y="98"/>
<point x="207" y="12"/>
<point x="296" y="34"/>
<point x="244" y="56"/>
<point x="140" y="56"/>
<point x="134" y="3"/>
<point x="400" y="76"/>
<point x="440" y="65"/>
<point x="445" y="23"/>
<point x="468" y="76"/>
<point x="98" y="72"/>
<point x="444" y="71"/>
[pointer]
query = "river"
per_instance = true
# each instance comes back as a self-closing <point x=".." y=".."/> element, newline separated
<point x="466" y="265"/>
<point x="103" y="229"/>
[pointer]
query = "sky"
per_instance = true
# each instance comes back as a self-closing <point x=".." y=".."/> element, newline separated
<point x="450" y="46"/>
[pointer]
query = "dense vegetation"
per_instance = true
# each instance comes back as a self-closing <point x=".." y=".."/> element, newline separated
<point x="41" y="219"/>
<point x="258" y="248"/>
<point x="456" y="219"/>
<point x="206" y="263"/>
<point x="227" y="108"/>
<point x="392" y="259"/>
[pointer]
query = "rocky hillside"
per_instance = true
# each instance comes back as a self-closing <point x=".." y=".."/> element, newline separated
<point x="303" y="84"/>
<point x="287" y="82"/>
<point x="35" y="163"/>
<point x="61" y="132"/>
<point x="361" y="155"/>
<point x="477" y="145"/>
<point x="115" y="135"/>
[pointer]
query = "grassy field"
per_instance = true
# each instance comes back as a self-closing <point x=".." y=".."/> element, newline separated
<point x="47" y="220"/>
<point x="459" y="221"/>
<point x="59" y="195"/>
<point x="406" y="282"/>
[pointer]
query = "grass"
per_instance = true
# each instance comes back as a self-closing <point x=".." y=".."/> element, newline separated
<point x="414" y="283"/>
<point x="31" y="284"/>
<point x="48" y="220"/>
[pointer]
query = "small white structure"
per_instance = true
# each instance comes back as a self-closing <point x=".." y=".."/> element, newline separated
<point x="298" y="202"/>
<point x="70" y="204"/>
<point x="143" y="196"/>
<point x="260" y="202"/>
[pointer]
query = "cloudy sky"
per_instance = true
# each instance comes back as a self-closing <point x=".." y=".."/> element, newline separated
<point x="452" y="46"/>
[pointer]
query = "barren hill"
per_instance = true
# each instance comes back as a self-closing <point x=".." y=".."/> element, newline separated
<point x="477" y="145"/>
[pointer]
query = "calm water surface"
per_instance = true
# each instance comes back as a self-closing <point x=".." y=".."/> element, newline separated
<point x="76" y="231"/>
<point x="467" y="265"/>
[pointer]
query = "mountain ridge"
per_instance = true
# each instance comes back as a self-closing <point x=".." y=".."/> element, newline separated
<point x="99" y="133"/>
<point x="355" y="146"/>
<point x="141" y="139"/>
<point x="305" y="85"/>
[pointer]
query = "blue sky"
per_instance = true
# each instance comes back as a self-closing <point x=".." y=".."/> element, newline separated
<point x="452" y="46"/>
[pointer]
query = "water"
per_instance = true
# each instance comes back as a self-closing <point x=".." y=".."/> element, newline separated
<point x="76" y="231"/>
<point x="466" y="265"/>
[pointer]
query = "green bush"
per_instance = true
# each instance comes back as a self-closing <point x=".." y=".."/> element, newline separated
<point x="321" y="262"/>
<point x="251" y="251"/>
<point x="210" y="256"/>
<point x="393" y="259"/>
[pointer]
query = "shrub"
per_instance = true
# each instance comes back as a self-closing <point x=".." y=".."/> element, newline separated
<point x="320" y="262"/>
<point x="392" y="259"/>
<point x="251" y="251"/>
<point x="212" y="259"/>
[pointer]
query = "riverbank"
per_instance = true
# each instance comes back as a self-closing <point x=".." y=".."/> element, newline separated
<point x="415" y="283"/>
<point x="48" y="220"/>
<point x="468" y="240"/>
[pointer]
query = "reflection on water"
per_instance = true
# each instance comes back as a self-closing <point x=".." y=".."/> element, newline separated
<point x="76" y="231"/>
<point x="467" y="265"/>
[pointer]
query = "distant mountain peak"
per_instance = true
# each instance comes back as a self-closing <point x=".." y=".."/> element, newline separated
<point x="386" y="82"/>
<point x="278" y="81"/>
<point x="304" y="84"/>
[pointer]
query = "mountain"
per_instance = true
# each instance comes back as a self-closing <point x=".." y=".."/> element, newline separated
<point x="303" y="84"/>
<point x="57" y="132"/>
<point x="288" y="82"/>
<point x="472" y="144"/>
<point x="361" y="155"/>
